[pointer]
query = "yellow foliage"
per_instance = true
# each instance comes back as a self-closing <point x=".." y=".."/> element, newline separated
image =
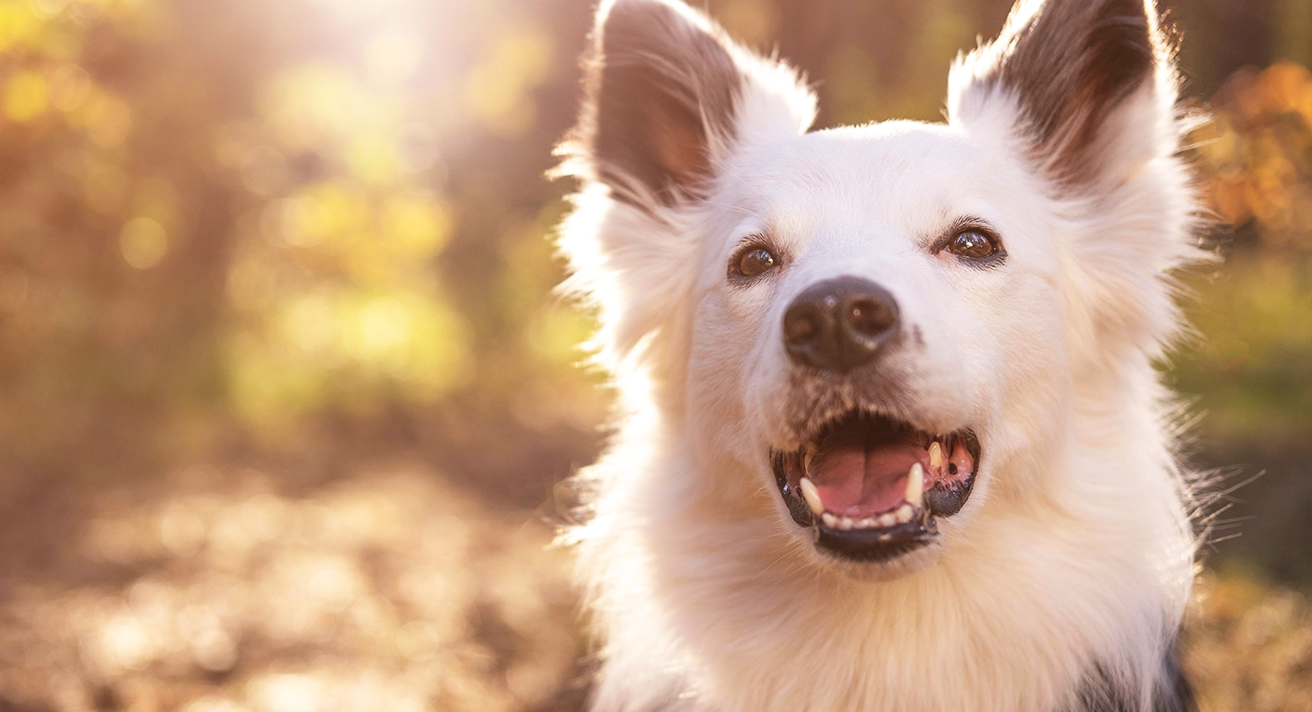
<point x="373" y="158"/>
<point x="26" y="96"/>
<point x="312" y="104"/>
<point x="1258" y="152"/>
<point x="558" y="333"/>
<point x="332" y="345"/>
<point x="496" y="89"/>
<point x="19" y="26"/>
<point x="143" y="242"/>
<point x="416" y="227"/>
<point x="328" y="211"/>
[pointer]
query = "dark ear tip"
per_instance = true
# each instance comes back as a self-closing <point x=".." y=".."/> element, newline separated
<point x="643" y="25"/>
<point x="661" y="86"/>
<point x="632" y="15"/>
<point x="1071" y="64"/>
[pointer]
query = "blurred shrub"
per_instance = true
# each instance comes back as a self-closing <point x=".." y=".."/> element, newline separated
<point x="1258" y="153"/>
<point x="1251" y="365"/>
<point x="238" y="215"/>
<point x="249" y="212"/>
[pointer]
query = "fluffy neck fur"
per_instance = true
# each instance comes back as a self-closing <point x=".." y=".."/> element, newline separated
<point x="721" y="613"/>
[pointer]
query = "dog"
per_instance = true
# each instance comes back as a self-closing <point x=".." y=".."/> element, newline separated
<point x="888" y="434"/>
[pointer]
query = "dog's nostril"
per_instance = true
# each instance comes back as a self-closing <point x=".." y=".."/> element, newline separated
<point x="839" y="324"/>
<point x="801" y="326"/>
<point x="870" y="317"/>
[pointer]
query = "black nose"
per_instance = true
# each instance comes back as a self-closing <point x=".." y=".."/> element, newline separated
<point x="839" y="324"/>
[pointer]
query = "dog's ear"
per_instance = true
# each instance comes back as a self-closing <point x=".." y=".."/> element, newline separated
<point x="669" y="100"/>
<point x="667" y="95"/>
<point x="1092" y="80"/>
<point x="1087" y="91"/>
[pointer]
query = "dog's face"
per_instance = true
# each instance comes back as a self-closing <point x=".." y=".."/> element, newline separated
<point x="878" y="302"/>
<point x="863" y="321"/>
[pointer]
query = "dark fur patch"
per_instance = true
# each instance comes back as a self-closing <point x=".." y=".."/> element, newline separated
<point x="1174" y="694"/>
<point x="659" y="90"/>
<point x="1101" y="693"/>
<point x="1071" y="65"/>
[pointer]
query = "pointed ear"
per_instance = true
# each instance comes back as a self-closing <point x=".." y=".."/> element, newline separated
<point x="667" y="96"/>
<point x="1070" y="67"/>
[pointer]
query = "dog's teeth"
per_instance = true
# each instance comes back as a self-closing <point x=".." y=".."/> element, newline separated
<point x="806" y="462"/>
<point x="916" y="482"/>
<point x="811" y="495"/>
<point x="830" y="520"/>
<point x="846" y="524"/>
<point x="904" y="513"/>
<point x="935" y="454"/>
<point x="887" y="520"/>
<point x="868" y="523"/>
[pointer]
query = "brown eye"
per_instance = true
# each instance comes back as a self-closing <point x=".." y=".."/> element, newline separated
<point x="754" y="261"/>
<point x="973" y="244"/>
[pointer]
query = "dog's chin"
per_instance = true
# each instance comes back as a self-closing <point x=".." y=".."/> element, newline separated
<point x="911" y="562"/>
<point x="869" y="491"/>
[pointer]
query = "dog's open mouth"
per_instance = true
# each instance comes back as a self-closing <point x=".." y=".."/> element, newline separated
<point x="871" y="486"/>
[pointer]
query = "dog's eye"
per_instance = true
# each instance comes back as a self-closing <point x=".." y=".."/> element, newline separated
<point x="973" y="244"/>
<point x="752" y="261"/>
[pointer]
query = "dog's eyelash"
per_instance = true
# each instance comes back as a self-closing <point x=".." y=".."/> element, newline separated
<point x="968" y="224"/>
<point x="958" y="226"/>
<point x="756" y="239"/>
<point x="751" y="244"/>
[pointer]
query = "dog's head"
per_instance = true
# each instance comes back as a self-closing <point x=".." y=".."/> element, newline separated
<point x="887" y="328"/>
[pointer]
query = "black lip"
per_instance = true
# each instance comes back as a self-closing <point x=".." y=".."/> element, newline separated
<point x="876" y="545"/>
<point x="882" y="544"/>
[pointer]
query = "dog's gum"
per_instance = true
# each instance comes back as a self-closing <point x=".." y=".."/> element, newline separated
<point x="962" y="459"/>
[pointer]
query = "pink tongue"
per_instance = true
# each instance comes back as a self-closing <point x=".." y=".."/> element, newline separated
<point x="857" y="482"/>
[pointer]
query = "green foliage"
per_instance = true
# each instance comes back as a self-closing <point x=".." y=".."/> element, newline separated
<point x="1250" y="368"/>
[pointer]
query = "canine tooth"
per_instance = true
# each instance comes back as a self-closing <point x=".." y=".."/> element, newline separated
<point x="808" y="451"/>
<point x="935" y="454"/>
<point x="887" y="520"/>
<point x="904" y="513"/>
<point x="846" y="523"/>
<point x="915" y="484"/>
<point x="830" y="520"/>
<point x="811" y="495"/>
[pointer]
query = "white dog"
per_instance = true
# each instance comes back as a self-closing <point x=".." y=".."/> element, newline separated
<point x="889" y="434"/>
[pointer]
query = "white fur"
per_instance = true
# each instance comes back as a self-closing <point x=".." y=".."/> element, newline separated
<point x="1075" y="546"/>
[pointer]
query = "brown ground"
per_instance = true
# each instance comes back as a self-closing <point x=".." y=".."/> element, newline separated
<point x="389" y="589"/>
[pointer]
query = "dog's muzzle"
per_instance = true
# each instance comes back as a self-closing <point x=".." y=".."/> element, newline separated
<point x="869" y="486"/>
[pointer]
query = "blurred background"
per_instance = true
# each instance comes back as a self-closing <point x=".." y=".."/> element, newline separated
<point x="285" y="396"/>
